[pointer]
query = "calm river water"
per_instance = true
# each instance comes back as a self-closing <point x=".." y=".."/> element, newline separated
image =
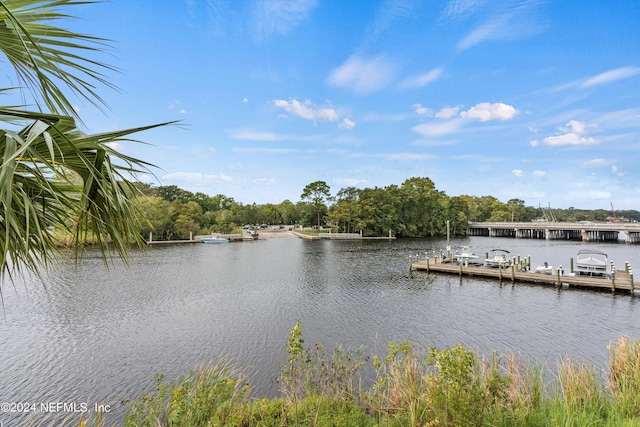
<point x="93" y="335"/>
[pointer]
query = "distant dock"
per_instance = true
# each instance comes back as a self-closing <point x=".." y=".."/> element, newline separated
<point x="245" y="236"/>
<point x="341" y="236"/>
<point x="619" y="280"/>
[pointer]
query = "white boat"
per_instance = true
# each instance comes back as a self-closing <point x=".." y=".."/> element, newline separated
<point x="498" y="258"/>
<point x="214" y="239"/>
<point x="466" y="257"/>
<point x="545" y="268"/>
<point x="591" y="263"/>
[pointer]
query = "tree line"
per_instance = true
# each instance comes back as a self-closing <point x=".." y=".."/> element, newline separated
<point x="416" y="208"/>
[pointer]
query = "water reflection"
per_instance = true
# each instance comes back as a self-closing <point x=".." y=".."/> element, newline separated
<point x="101" y="334"/>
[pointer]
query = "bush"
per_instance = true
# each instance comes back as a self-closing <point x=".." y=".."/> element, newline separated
<point x="414" y="386"/>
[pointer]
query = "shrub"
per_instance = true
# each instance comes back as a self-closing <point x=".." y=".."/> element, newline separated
<point x="213" y="394"/>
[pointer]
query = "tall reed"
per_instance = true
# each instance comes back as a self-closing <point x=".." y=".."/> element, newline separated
<point x="624" y="375"/>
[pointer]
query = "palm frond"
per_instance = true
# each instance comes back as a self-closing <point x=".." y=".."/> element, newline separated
<point x="54" y="175"/>
<point x="45" y="56"/>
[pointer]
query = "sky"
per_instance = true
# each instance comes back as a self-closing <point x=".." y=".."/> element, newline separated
<point x="529" y="99"/>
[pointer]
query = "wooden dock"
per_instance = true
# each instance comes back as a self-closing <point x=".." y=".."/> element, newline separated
<point x="620" y="280"/>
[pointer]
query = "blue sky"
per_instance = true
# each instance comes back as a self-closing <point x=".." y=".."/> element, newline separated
<point x="530" y="99"/>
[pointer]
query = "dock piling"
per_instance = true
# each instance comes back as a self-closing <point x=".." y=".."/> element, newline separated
<point x="613" y="277"/>
<point x="559" y="273"/>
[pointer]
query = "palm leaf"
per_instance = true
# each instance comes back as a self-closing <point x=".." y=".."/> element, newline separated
<point x="45" y="56"/>
<point x="54" y="175"/>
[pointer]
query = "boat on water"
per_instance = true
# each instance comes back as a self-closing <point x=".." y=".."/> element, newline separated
<point x="498" y="258"/>
<point x="545" y="268"/>
<point x="466" y="257"/>
<point x="591" y="263"/>
<point x="214" y="239"/>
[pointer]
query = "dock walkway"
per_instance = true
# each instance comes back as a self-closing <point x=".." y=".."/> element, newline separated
<point x="621" y="280"/>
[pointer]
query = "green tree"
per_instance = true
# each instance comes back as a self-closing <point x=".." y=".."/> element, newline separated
<point x="52" y="175"/>
<point x="342" y="211"/>
<point x="157" y="211"/>
<point x="457" y="214"/>
<point x="318" y="194"/>
<point x="517" y="209"/>
<point x="188" y="217"/>
<point x="421" y="208"/>
<point x="500" y="212"/>
<point x="288" y="212"/>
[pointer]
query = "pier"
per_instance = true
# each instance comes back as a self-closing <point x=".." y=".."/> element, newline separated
<point x="580" y="231"/>
<point x="519" y="272"/>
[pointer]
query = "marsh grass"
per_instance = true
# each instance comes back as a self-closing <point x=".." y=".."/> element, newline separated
<point x="413" y="386"/>
<point x="212" y="392"/>
<point x="624" y="375"/>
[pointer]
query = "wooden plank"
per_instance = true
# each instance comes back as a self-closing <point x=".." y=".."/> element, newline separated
<point x="622" y="281"/>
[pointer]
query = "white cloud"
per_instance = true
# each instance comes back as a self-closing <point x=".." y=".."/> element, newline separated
<point x="438" y="128"/>
<point x="597" y="163"/>
<point x="512" y="21"/>
<point x="611" y="76"/>
<point x="420" y="110"/>
<point x="121" y="148"/>
<point x="251" y="135"/>
<point x="245" y="100"/>
<point x="196" y="178"/>
<point x="453" y="120"/>
<point x="620" y="119"/>
<point x="363" y="76"/>
<point x="280" y="16"/>
<point x="264" y="181"/>
<point x="447" y="112"/>
<point x="600" y="79"/>
<point x="539" y="173"/>
<point x="518" y="172"/>
<point x="573" y="134"/>
<point x="422" y="79"/>
<point x="575" y="126"/>
<point x="534" y="142"/>
<point x="461" y="9"/>
<point x="485" y="112"/>
<point x="347" y="124"/>
<point x="306" y="110"/>
<point x="568" y="139"/>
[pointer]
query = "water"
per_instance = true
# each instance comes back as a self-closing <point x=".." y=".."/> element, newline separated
<point x="98" y="336"/>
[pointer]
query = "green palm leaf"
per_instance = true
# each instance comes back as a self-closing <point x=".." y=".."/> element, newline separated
<point x="45" y="56"/>
<point x="52" y="175"/>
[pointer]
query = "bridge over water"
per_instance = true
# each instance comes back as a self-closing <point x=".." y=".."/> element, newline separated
<point x="557" y="230"/>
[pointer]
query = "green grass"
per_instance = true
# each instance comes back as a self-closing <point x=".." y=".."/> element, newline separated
<point x="413" y="386"/>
